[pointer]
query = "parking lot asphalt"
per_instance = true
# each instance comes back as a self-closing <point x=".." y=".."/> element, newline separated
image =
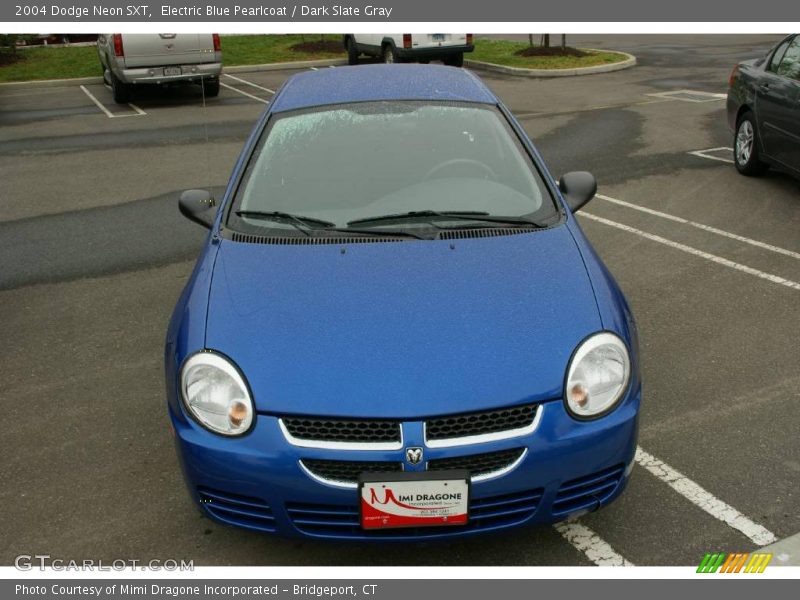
<point x="95" y="255"/>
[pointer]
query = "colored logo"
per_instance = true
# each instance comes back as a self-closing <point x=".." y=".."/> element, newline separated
<point x="737" y="562"/>
<point x="389" y="497"/>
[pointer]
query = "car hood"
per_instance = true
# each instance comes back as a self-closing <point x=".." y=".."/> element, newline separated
<point x="402" y="329"/>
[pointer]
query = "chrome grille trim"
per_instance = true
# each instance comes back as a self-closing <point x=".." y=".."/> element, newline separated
<point x="332" y="482"/>
<point x="500" y="472"/>
<point x="486" y="437"/>
<point x="339" y="483"/>
<point x="329" y="445"/>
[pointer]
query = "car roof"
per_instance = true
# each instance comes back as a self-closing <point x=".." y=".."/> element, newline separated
<point x="367" y="83"/>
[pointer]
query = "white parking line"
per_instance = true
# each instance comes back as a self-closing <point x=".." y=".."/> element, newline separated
<point x="99" y="104"/>
<point x="250" y="83"/>
<point x="313" y="68"/>
<point x="108" y="113"/>
<point x="690" y="96"/>
<point x="533" y="115"/>
<point x="705" y="500"/>
<point x="592" y="545"/>
<point x="704" y="154"/>
<point x="694" y="251"/>
<point x="238" y="91"/>
<point x="708" y="228"/>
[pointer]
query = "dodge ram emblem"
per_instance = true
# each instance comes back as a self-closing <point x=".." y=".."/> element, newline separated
<point x="414" y="455"/>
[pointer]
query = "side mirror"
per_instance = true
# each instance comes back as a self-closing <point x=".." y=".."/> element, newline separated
<point x="198" y="206"/>
<point x="578" y="188"/>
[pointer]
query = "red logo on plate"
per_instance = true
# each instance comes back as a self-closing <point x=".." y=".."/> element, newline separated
<point x="389" y="497"/>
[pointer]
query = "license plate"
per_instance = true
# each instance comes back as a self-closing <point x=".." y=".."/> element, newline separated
<point x="438" y="37"/>
<point x="169" y="71"/>
<point x="392" y="500"/>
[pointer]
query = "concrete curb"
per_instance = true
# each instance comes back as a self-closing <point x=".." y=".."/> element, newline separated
<point x="38" y="83"/>
<point x="629" y="62"/>
<point x="72" y="45"/>
<point x="786" y="552"/>
<point x="299" y="64"/>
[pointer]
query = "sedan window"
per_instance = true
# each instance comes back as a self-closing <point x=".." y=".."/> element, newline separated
<point x="775" y="61"/>
<point x="790" y="65"/>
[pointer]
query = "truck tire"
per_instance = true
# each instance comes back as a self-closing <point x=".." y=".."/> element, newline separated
<point x="211" y="87"/>
<point x="352" y="51"/>
<point x="389" y="55"/>
<point x="120" y="91"/>
<point x="457" y="60"/>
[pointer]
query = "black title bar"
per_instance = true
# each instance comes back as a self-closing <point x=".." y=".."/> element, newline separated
<point x="398" y="11"/>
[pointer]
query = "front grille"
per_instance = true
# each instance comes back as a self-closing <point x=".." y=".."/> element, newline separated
<point x="478" y="464"/>
<point x="479" y="423"/>
<point x="233" y="509"/>
<point x="341" y="430"/>
<point x="347" y="470"/>
<point x="587" y="493"/>
<point x="326" y="520"/>
<point x="442" y="429"/>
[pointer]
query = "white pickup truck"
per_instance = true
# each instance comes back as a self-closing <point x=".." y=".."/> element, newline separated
<point x="400" y="47"/>
<point x="130" y="59"/>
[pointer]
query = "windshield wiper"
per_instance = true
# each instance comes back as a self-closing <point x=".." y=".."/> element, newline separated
<point x="305" y="224"/>
<point x="462" y="215"/>
<point x="370" y="231"/>
<point x="301" y="222"/>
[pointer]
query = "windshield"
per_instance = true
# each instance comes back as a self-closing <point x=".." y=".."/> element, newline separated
<point x="352" y="162"/>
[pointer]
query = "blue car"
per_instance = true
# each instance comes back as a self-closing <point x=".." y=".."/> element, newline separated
<point x="396" y="328"/>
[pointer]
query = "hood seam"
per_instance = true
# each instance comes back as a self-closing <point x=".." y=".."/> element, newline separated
<point x="586" y="269"/>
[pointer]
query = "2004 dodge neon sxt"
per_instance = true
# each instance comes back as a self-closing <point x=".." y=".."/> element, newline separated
<point x="396" y="328"/>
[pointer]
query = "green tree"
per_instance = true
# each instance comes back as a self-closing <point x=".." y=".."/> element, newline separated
<point x="8" y="43"/>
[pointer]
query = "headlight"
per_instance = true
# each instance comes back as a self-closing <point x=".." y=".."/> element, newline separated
<point x="597" y="375"/>
<point x="215" y="394"/>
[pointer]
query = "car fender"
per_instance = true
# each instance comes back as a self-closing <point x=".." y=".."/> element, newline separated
<point x="186" y="333"/>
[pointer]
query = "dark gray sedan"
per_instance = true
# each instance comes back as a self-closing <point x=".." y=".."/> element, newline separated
<point x="764" y="110"/>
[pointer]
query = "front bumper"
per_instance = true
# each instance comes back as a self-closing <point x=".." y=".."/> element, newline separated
<point x="256" y="481"/>
<point x="191" y="72"/>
